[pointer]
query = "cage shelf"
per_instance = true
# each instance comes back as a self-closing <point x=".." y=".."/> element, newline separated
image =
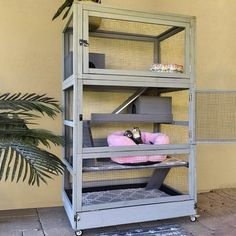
<point x="120" y="195"/>
<point x="170" y="162"/>
<point x="103" y="118"/>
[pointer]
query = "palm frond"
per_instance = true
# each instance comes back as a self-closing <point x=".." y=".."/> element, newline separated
<point x="20" y="156"/>
<point x="30" y="102"/>
<point x="66" y="13"/>
<point x="68" y="4"/>
<point x="31" y="136"/>
<point x="19" y="161"/>
<point x="13" y="120"/>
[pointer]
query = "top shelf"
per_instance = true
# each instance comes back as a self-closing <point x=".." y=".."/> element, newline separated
<point x="136" y="37"/>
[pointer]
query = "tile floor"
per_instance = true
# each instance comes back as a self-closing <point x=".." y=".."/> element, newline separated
<point x="217" y="209"/>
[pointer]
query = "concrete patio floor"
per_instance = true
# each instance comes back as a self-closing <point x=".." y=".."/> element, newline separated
<point x="217" y="209"/>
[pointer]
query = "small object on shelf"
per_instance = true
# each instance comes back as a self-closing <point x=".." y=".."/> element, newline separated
<point x="118" y="139"/>
<point x="167" y="68"/>
<point x="152" y="105"/>
<point x="94" y="23"/>
<point x="97" y="60"/>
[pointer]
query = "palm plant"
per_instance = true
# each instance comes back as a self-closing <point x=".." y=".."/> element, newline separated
<point x="67" y="6"/>
<point x="21" y="158"/>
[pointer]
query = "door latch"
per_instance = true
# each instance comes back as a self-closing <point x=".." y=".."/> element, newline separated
<point x="83" y="42"/>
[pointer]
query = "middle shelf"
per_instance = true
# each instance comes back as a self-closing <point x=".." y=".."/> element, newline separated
<point x="107" y="165"/>
<point x="106" y="117"/>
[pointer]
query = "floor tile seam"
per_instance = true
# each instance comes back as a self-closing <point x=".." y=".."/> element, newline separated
<point x="228" y="196"/>
<point x="202" y="225"/>
<point x="40" y="222"/>
<point x="16" y="217"/>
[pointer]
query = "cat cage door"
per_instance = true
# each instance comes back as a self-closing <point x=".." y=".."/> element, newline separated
<point x="215" y="116"/>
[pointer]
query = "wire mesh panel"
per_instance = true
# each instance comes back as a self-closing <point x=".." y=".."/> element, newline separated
<point x="68" y="144"/>
<point x="216" y="116"/>
<point x="135" y="46"/>
<point x="68" y="182"/>
<point x="68" y="107"/>
<point x="68" y="50"/>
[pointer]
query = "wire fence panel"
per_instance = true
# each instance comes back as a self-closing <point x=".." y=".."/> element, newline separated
<point x="216" y="116"/>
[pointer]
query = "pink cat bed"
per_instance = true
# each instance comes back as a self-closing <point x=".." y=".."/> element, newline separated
<point x="118" y="139"/>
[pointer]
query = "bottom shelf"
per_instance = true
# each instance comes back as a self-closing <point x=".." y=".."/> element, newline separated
<point x="135" y="214"/>
<point x="120" y="195"/>
<point x="127" y="194"/>
<point x="130" y="204"/>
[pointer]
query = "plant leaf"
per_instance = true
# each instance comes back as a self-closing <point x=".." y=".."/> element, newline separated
<point x="30" y="102"/>
<point x="67" y="3"/>
<point x="40" y="162"/>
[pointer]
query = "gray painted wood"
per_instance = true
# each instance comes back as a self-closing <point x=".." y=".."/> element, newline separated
<point x="111" y="166"/>
<point x="152" y="105"/>
<point x="159" y="148"/>
<point x="100" y="142"/>
<point x="157" y="178"/>
<point x="126" y="212"/>
<point x="135" y="203"/>
<point x="87" y="135"/>
<point x="111" y="182"/>
<point x="128" y="101"/>
<point x="137" y="37"/>
<point x="140" y="213"/>
<point x="105" y="118"/>
<point x="129" y="81"/>
<point x="140" y="73"/>
<point x="169" y="33"/>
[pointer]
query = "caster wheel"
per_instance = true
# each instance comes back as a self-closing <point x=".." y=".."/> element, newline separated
<point x="78" y="233"/>
<point x="193" y="218"/>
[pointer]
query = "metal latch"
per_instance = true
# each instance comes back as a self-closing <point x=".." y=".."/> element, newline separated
<point x="190" y="97"/>
<point x="83" y="42"/>
<point x="76" y="217"/>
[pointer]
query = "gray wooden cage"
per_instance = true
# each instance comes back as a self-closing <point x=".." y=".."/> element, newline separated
<point x="108" y="86"/>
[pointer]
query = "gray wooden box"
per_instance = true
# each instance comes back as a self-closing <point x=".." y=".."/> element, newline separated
<point x="96" y="60"/>
<point x="152" y="105"/>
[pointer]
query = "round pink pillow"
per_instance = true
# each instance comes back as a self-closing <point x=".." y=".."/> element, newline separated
<point x="118" y="139"/>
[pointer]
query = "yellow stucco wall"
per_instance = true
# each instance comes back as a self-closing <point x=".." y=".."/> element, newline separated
<point x="215" y="60"/>
<point x="30" y="61"/>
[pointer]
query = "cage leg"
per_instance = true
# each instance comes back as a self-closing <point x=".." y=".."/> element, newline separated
<point x="78" y="232"/>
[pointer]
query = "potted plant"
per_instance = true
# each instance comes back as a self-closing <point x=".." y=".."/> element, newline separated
<point x="21" y="154"/>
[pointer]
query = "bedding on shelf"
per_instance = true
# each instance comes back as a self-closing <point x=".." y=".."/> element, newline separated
<point x="118" y="139"/>
<point x="167" y="68"/>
